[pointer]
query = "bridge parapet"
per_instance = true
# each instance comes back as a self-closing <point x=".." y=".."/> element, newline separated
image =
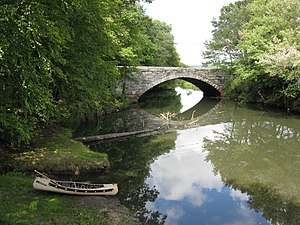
<point x="210" y="81"/>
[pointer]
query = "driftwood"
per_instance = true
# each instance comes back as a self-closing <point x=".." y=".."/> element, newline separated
<point x="114" y="135"/>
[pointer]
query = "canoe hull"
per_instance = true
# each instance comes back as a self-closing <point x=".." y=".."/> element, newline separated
<point x="74" y="188"/>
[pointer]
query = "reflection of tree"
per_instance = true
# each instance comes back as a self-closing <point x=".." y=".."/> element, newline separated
<point x="122" y="121"/>
<point x="158" y="100"/>
<point x="275" y="208"/>
<point x="137" y="200"/>
<point x="154" y="102"/>
<point x="130" y="164"/>
<point x="258" y="153"/>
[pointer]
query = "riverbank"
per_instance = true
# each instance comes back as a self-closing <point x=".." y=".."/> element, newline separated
<point x="21" y="204"/>
<point x="55" y="152"/>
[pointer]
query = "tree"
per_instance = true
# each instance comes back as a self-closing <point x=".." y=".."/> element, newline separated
<point x="161" y="36"/>
<point x="272" y="33"/>
<point x="30" y="55"/>
<point x="222" y="48"/>
<point x="258" y="42"/>
<point x="59" y="59"/>
<point x="90" y="68"/>
<point x="145" y="41"/>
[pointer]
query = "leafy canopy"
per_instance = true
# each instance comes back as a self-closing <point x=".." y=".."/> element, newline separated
<point x="258" y="41"/>
<point x="59" y="59"/>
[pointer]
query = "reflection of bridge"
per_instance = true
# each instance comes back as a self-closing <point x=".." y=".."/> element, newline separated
<point x="140" y="123"/>
<point x="211" y="82"/>
<point x="138" y="119"/>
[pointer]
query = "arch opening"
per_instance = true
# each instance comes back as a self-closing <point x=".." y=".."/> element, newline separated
<point x="170" y="85"/>
<point x="182" y="102"/>
<point x="208" y="90"/>
<point x="174" y="96"/>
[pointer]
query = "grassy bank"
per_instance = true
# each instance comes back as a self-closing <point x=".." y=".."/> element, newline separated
<point x="21" y="204"/>
<point x="56" y="152"/>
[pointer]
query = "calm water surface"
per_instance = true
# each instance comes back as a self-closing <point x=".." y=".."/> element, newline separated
<point x="236" y="166"/>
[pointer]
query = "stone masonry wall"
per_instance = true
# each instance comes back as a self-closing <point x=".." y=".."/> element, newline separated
<point x="148" y="77"/>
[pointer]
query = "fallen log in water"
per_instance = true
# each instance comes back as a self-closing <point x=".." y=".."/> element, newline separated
<point x="114" y="135"/>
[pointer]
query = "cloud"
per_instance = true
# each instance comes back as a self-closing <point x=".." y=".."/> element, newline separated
<point x="237" y="195"/>
<point x="174" y="214"/>
<point x="183" y="173"/>
<point x="184" y="176"/>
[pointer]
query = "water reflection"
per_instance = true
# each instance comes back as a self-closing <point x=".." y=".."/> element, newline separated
<point x="258" y="153"/>
<point x="174" y="101"/>
<point x="188" y="98"/>
<point x="159" y="101"/>
<point x="190" y="192"/>
<point x="185" y="103"/>
<point x="130" y="166"/>
<point x="203" y="107"/>
<point x="146" y="115"/>
<point x="240" y="166"/>
<point x="179" y="174"/>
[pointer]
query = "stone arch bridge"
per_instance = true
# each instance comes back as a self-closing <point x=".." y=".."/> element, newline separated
<point x="210" y="81"/>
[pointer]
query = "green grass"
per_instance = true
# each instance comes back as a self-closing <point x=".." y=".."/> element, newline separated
<point x="21" y="204"/>
<point x="58" y="153"/>
<point x="55" y="152"/>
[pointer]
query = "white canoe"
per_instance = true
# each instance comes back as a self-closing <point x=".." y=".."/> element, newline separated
<point x="74" y="188"/>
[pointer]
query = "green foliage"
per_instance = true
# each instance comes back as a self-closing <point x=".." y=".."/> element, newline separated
<point x="165" y="53"/>
<point x="30" y="50"/>
<point x="59" y="59"/>
<point x="145" y="41"/>
<point x="222" y="48"/>
<point x="90" y="69"/>
<point x="266" y="66"/>
<point x="186" y="85"/>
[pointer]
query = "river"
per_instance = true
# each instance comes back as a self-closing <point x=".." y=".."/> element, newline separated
<point x="226" y="165"/>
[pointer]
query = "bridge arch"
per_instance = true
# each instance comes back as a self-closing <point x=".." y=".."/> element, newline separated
<point x="211" y="82"/>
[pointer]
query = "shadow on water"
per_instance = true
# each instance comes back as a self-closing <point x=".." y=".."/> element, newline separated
<point x="185" y="103"/>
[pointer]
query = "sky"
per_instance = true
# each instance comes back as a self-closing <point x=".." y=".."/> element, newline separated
<point x="191" y="23"/>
